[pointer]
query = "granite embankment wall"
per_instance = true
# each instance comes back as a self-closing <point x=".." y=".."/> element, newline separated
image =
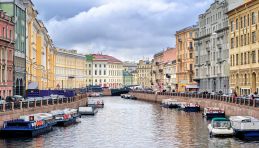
<point x="232" y="107"/>
<point x="16" y="113"/>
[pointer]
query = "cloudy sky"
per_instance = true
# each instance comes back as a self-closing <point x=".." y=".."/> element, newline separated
<point x="126" y="29"/>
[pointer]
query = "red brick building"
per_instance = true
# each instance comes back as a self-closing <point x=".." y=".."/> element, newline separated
<point x="6" y="54"/>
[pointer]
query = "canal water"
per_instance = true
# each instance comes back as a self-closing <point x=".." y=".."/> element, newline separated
<point x="131" y="124"/>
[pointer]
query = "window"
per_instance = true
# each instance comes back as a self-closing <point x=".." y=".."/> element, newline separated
<point x="95" y="72"/>
<point x="245" y="58"/>
<point x="248" y="20"/>
<point x="236" y="59"/>
<point x="253" y="18"/>
<point x="241" y="22"/>
<point x="95" y="65"/>
<point x="248" y="38"/>
<point x="90" y="65"/>
<point x="230" y="60"/>
<point x="244" y="21"/>
<point x="241" y="58"/>
<point x="10" y="37"/>
<point x="232" y="42"/>
<point x="104" y="72"/>
<point x="253" y="37"/>
<point x="248" y="57"/>
<point x="236" y="24"/>
<point x="190" y="55"/>
<point x="253" y="57"/>
<point x="232" y="26"/>
<point x="236" y="41"/>
<point x="3" y="32"/>
<point x="100" y="72"/>
<point x="95" y="80"/>
<point x="100" y="65"/>
<point x="90" y="72"/>
<point x="104" y="66"/>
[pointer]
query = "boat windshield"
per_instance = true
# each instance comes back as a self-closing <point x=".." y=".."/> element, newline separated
<point x="17" y="124"/>
<point x="221" y="124"/>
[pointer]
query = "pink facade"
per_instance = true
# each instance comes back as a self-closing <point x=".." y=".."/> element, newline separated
<point x="169" y="55"/>
<point x="6" y="55"/>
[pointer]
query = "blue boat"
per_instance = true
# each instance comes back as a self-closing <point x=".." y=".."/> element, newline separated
<point x="189" y="107"/>
<point x="28" y="126"/>
<point x="65" y="117"/>
<point x="245" y="127"/>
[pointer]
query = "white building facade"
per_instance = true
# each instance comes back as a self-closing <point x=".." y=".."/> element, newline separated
<point x="105" y="71"/>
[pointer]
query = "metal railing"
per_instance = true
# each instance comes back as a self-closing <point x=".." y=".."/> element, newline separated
<point x="11" y="106"/>
<point x="227" y="99"/>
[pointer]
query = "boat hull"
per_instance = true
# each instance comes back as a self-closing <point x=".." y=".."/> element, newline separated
<point x="247" y="135"/>
<point x="118" y="92"/>
<point x="66" y="122"/>
<point x="17" y="133"/>
<point x="88" y="113"/>
<point x="191" y="109"/>
<point x="96" y="105"/>
<point x="210" y="116"/>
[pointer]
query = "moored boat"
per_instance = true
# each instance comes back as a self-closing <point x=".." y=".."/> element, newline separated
<point x="190" y="107"/>
<point x="28" y="126"/>
<point x="245" y="127"/>
<point x="65" y="117"/>
<point x="212" y="112"/>
<point x="87" y="110"/>
<point x="96" y="103"/>
<point x="170" y="103"/>
<point x="220" y="127"/>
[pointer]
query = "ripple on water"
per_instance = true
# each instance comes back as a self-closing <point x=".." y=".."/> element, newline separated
<point x="132" y="124"/>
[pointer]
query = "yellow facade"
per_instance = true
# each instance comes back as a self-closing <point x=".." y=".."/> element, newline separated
<point x="185" y="58"/>
<point x="70" y="69"/>
<point x="144" y="70"/>
<point x="244" y="48"/>
<point x="40" y="62"/>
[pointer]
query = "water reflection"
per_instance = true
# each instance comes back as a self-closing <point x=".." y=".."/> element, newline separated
<point x="128" y="123"/>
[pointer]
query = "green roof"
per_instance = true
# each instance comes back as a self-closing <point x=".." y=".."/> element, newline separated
<point x="220" y="119"/>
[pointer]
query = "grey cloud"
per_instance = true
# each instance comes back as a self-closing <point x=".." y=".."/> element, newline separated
<point x="128" y="29"/>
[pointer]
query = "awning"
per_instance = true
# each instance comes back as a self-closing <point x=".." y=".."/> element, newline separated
<point x="192" y="86"/>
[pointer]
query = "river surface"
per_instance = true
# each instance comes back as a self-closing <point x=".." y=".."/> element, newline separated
<point x="131" y="124"/>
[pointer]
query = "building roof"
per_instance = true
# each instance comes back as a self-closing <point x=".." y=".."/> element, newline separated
<point x="105" y="58"/>
<point x="241" y="6"/>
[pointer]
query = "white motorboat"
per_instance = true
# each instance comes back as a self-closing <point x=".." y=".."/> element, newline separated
<point x="87" y="110"/>
<point x="220" y="127"/>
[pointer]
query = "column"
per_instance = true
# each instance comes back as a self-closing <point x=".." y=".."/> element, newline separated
<point x="6" y="51"/>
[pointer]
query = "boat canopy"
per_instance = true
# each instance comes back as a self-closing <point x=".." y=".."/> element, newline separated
<point x="220" y="119"/>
